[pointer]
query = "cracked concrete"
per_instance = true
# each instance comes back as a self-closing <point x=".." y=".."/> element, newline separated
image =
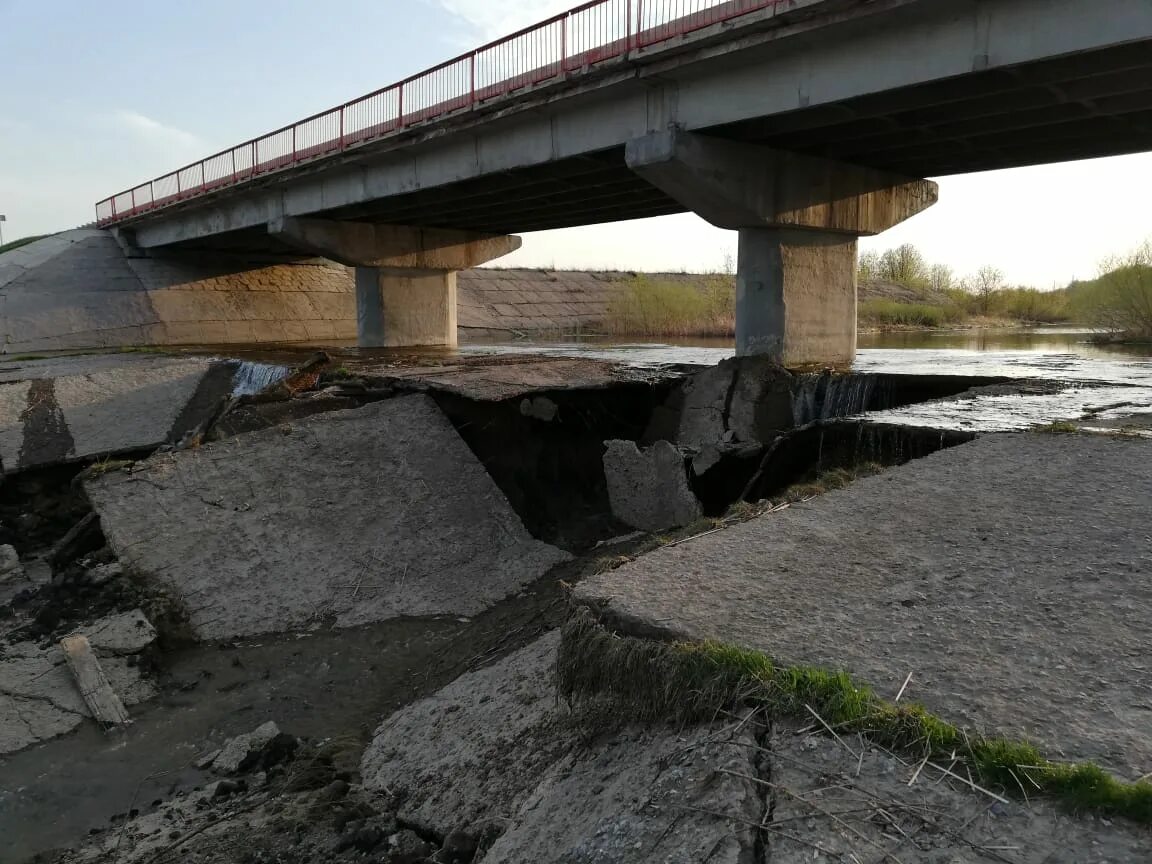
<point x="40" y="695"/>
<point x="340" y="519"/>
<point x="495" y="745"/>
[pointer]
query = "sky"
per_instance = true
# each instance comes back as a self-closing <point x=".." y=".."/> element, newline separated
<point x="97" y="97"/>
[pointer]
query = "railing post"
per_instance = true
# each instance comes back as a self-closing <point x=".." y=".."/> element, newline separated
<point x="203" y="176"/>
<point x="233" y="164"/>
<point x="179" y="187"/>
<point x="341" y="146"/>
<point x="133" y="194"/>
<point x="400" y="108"/>
<point x="627" y="26"/>
<point x="564" y="45"/>
<point x="472" y="74"/>
<point x="293" y="143"/>
<point x="255" y="156"/>
<point x="639" y="24"/>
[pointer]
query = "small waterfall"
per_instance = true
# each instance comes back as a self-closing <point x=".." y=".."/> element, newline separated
<point x="251" y="378"/>
<point x="828" y="396"/>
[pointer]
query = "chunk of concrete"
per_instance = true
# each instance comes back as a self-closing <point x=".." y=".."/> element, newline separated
<point x="740" y="400"/>
<point x="242" y="750"/>
<point x="477" y="748"/>
<point x="345" y="518"/>
<point x="67" y="409"/>
<point x="496" y="745"/>
<point x="10" y="567"/>
<point x="648" y="489"/>
<point x="13" y="579"/>
<point x="125" y="633"/>
<point x="38" y="695"/>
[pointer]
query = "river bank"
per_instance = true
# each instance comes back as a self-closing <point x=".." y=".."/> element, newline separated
<point x="379" y="553"/>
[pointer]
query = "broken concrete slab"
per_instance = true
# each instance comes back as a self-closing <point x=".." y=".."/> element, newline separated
<point x="740" y="400"/>
<point x="989" y="595"/>
<point x="125" y="633"/>
<point x="495" y="744"/>
<point x="346" y="518"/>
<point x="72" y="408"/>
<point x="648" y="489"/>
<point x="39" y="698"/>
<point x="476" y="749"/>
<point x="493" y="379"/>
<point x="242" y="750"/>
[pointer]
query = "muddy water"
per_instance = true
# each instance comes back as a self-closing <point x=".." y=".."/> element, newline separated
<point x="1095" y="376"/>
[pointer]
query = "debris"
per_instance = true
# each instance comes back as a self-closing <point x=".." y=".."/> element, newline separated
<point x="82" y="537"/>
<point x="98" y="694"/>
<point x="648" y="489"/>
<point x="10" y="568"/>
<point x="242" y="752"/>
<point x="406" y="847"/>
<point x="126" y="633"/>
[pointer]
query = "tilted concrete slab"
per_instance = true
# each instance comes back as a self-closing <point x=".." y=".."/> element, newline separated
<point x="73" y="408"/>
<point x="345" y="518"/>
<point x="496" y="746"/>
<point x="1009" y="576"/>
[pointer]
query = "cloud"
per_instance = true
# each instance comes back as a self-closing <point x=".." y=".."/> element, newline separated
<point x="491" y="19"/>
<point x="157" y="133"/>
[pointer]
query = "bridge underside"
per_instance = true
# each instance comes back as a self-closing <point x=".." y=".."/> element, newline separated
<point x="1079" y="107"/>
<point x="802" y="137"/>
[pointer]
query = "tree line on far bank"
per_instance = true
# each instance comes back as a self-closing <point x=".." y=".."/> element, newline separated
<point x="1118" y="302"/>
<point x="901" y="288"/>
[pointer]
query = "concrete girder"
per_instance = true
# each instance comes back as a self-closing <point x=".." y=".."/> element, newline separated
<point x="399" y="247"/>
<point x="737" y="185"/>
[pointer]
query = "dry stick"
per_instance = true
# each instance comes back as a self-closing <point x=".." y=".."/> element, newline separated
<point x="920" y="767"/>
<point x="968" y="782"/>
<point x="814" y="806"/>
<point x="903" y="687"/>
<point x="831" y="730"/>
<point x="693" y="537"/>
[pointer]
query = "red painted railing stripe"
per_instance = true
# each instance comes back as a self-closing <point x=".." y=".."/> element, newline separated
<point x="591" y="33"/>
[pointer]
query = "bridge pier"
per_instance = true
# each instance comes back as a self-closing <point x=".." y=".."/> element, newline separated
<point x="798" y="219"/>
<point x="405" y="276"/>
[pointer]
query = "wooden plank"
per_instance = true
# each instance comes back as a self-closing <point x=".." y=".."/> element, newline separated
<point x="98" y="694"/>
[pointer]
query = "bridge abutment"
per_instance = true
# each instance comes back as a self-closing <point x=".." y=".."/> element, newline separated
<point x="405" y="275"/>
<point x="799" y="218"/>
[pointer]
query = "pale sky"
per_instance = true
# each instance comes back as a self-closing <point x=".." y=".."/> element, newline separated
<point x="97" y="97"/>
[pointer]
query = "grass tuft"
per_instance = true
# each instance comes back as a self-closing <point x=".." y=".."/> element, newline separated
<point x="1057" y="427"/>
<point x="650" y="681"/>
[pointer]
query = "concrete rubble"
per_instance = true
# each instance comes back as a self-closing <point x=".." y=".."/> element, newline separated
<point x="39" y="698"/>
<point x="345" y="518"/>
<point x="648" y="488"/>
<point x="494" y="747"/>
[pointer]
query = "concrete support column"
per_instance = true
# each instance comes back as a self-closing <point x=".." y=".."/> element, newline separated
<point x="799" y="217"/>
<point x="405" y="275"/>
<point x="398" y="308"/>
<point x="796" y="296"/>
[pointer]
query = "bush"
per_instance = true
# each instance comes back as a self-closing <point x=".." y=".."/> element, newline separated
<point x="648" y="307"/>
<point x="890" y="313"/>
<point x="1120" y="300"/>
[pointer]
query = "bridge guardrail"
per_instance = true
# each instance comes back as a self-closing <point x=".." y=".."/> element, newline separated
<point x="566" y="45"/>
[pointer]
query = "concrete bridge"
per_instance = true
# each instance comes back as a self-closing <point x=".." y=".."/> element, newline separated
<point x="802" y="124"/>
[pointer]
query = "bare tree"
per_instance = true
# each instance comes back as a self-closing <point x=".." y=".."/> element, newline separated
<point x="940" y="277"/>
<point x="904" y="265"/>
<point x="984" y="284"/>
<point x="868" y="267"/>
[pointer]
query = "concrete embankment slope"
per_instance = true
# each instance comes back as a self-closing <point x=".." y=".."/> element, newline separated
<point x="78" y="289"/>
<point x="1009" y="577"/>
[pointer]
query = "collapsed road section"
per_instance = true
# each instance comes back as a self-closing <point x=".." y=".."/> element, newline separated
<point x="376" y="560"/>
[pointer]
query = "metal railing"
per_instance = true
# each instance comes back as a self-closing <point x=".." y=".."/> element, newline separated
<point x="564" y="46"/>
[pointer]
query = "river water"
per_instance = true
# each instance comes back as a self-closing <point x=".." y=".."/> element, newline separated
<point x="1094" y="378"/>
